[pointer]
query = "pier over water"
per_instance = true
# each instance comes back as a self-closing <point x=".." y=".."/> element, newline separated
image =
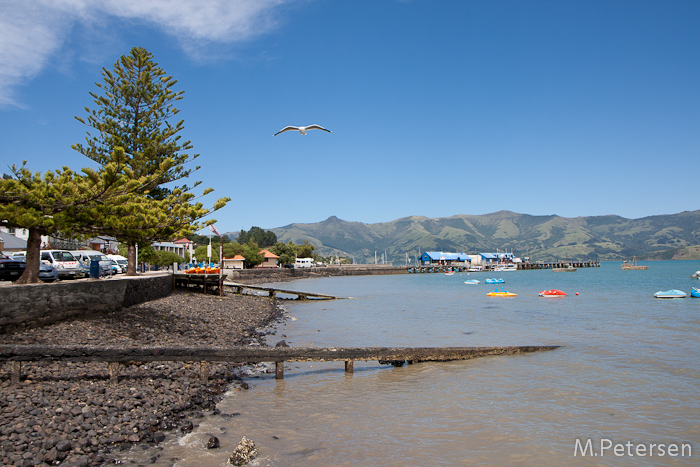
<point x="441" y="268"/>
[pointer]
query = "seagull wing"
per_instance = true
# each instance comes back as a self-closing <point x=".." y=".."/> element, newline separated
<point x="317" y="127"/>
<point x="287" y="128"/>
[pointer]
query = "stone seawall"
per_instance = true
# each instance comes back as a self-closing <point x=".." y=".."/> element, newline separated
<point x="34" y="305"/>
<point x="284" y="274"/>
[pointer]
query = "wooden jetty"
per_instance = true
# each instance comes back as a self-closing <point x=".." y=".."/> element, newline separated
<point x="18" y="354"/>
<point x="441" y="268"/>
<point x="559" y="264"/>
<point x="218" y="282"/>
<point x="273" y="291"/>
<point x="436" y="268"/>
<point x="204" y="281"/>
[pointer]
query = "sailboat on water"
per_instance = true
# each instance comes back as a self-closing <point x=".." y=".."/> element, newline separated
<point x="632" y="266"/>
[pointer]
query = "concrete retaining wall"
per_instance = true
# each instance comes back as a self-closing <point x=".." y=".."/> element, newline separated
<point x="34" y="305"/>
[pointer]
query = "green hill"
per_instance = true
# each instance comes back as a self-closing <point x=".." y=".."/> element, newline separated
<point x="540" y="238"/>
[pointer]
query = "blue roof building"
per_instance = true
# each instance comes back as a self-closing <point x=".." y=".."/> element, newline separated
<point x="496" y="257"/>
<point x="442" y="257"/>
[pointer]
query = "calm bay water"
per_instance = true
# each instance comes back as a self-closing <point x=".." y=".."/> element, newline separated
<point x="628" y="372"/>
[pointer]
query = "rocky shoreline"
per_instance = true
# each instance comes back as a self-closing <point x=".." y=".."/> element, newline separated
<point x="67" y="413"/>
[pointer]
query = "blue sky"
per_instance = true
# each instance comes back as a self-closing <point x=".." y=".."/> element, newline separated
<point x="438" y="108"/>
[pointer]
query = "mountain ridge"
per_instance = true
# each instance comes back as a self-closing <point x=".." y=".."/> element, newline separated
<point x="539" y="237"/>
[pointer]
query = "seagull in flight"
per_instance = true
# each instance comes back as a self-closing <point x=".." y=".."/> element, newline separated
<point x="302" y="129"/>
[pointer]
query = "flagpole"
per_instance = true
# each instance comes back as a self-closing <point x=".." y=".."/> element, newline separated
<point x="221" y="257"/>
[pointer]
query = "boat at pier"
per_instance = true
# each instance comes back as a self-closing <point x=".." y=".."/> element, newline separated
<point x="506" y="267"/>
<point x="568" y="268"/>
<point x="632" y="266"/>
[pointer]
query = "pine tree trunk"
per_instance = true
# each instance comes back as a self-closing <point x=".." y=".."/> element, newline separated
<point x="31" y="271"/>
<point x="131" y="258"/>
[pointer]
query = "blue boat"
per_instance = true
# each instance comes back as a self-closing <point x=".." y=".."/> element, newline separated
<point x="695" y="292"/>
<point x="494" y="281"/>
<point x="674" y="293"/>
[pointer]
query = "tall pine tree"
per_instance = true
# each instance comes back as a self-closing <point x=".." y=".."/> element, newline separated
<point x="135" y="111"/>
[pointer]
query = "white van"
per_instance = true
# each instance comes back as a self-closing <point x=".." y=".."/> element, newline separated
<point x="65" y="263"/>
<point x="87" y="256"/>
<point x="303" y="263"/>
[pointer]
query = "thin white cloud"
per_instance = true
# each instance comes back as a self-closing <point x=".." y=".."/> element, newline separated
<point x="214" y="20"/>
<point x="29" y="33"/>
<point x="32" y="30"/>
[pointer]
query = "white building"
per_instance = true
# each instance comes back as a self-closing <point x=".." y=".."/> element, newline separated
<point x="23" y="234"/>
<point x="179" y="247"/>
<point x="237" y="262"/>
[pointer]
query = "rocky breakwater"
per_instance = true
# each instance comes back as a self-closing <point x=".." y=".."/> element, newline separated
<point x="68" y="413"/>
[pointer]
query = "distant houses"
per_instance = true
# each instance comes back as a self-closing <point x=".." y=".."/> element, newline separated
<point x="16" y="240"/>
<point x="481" y="259"/>
<point x="270" y="260"/>
<point x="496" y="258"/>
<point x="104" y="244"/>
<point x="237" y="262"/>
<point x="180" y="247"/>
<point x="11" y="244"/>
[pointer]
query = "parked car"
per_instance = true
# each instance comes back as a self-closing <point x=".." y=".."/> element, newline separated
<point x="47" y="272"/>
<point x="65" y="263"/>
<point x="84" y="269"/>
<point x="19" y="255"/>
<point x="10" y="269"/>
<point x="120" y="260"/>
<point x="116" y="268"/>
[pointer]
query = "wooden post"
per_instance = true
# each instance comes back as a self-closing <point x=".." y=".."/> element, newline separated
<point x="16" y="372"/>
<point x="349" y="366"/>
<point x="113" y="373"/>
<point x="279" y="370"/>
<point x="204" y="368"/>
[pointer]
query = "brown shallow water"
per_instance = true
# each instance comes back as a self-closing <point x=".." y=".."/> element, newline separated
<point x="625" y="380"/>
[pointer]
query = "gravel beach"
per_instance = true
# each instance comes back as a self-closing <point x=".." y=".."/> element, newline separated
<point x="67" y="413"/>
